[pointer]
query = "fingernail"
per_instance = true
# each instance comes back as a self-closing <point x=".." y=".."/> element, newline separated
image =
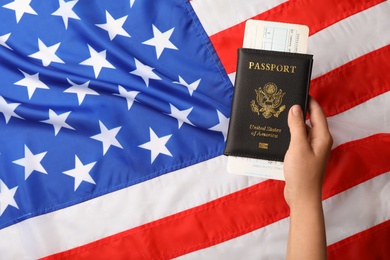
<point x="296" y="110"/>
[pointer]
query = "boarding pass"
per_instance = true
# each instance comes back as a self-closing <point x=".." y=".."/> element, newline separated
<point x="273" y="36"/>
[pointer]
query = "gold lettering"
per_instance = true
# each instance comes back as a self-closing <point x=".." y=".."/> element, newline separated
<point x="272" y="67"/>
<point x="265" y="128"/>
<point x="275" y="130"/>
<point x="257" y="127"/>
<point x="293" y="69"/>
<point x="267" y="135"/>
<point x="265" y="131"/>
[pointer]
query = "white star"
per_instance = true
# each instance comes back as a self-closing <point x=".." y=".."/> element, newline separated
<point x="58" y="121"/>
<point x="156" y="145"/>
<point x="20" y="7"/>
<point x="191" y="87"/>
<point x="80" y="173"/>
<point x="222" y="126"/>
<point x="66" y="12"/>
<point x="47" y="54"/>
<point x="3" y="39"/>
<point x="131" y="3"/>
<point x="32" y="82"/>
<point x="80" y="90"/>
<point x="7" y="197"/>
<point x="180" y="115"/>
<point x="145" y="72"/>
<point x="107" y="137"/>
<point x="8" y="110"/>
<point x="128" y="95"/>
<point x="161" y="41"/>
<point x="114" y="27"/>
<point x="97" y="61"/>
<point x="31" y="162"/>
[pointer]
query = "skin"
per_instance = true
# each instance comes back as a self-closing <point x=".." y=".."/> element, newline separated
<point x="304" y="168"/>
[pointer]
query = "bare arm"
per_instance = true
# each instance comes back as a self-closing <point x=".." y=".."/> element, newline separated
<point x="304" y="167"/>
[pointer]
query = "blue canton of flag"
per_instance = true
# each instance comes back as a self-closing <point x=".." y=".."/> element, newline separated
<point x="96" y="96"/>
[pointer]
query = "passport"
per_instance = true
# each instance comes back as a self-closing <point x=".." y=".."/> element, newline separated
<point x="267" y="84"/>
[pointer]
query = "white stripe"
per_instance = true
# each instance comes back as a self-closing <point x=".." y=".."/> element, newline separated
<point x="366" y="119"/>
<point x="358" y="208"/>
<point x="218" y="15"/>
<point x="346" y="214"/>
<point x="350" y="38"/>
<point x="136" y="205"/>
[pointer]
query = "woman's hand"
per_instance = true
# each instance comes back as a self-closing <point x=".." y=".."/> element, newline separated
<point x="304" y="168"/>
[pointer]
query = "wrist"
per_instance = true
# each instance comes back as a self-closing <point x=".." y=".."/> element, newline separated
<point x="300" y="206"/>
<point x="308" y="200"/>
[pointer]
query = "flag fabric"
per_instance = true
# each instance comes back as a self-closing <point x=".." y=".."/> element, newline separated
<point x="113" y="119"/>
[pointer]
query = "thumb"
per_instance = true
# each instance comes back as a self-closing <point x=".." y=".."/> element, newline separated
<point x="297" y="125"/>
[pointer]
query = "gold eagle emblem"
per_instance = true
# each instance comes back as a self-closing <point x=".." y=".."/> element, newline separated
<point x="268" y="101"/>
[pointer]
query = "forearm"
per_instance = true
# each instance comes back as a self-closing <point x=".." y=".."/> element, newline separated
<point x="307" y="238"/>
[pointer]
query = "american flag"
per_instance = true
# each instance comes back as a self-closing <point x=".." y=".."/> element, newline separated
<point x="113" y="120"/>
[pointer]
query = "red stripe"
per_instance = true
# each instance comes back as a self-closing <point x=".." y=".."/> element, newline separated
<point x="235" y="214"/>
<point x="353" y="83"/>
<point x="372" y="243"/>
<point x="317" y="14"/>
